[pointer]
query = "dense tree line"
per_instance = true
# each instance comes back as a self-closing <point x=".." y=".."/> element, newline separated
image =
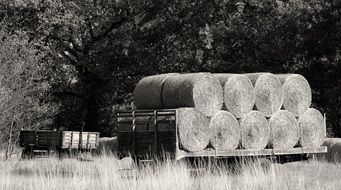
<point x="69" y="64"/>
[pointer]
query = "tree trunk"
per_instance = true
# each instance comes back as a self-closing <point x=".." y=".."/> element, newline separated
<point x="9" y="148"/>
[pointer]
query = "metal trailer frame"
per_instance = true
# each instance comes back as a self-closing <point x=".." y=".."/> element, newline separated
<point x="49" y="142"/>
<point x="131" y="140"/>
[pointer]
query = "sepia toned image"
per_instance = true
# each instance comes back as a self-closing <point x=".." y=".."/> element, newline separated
<point x="157" y="94"/>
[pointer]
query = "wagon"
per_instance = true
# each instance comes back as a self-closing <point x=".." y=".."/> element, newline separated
<point x="147" y="135"/>
<point x="46" y="142"/>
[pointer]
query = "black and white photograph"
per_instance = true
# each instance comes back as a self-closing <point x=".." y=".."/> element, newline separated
<point x="170" y="94"/>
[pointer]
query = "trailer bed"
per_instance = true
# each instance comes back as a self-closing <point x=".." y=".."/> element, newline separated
<point x="248" y="152"/>
<point x="46" y="142"/>
<point x="154" y="133"/>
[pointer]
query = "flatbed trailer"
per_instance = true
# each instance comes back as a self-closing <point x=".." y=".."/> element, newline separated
<point x="46" y="142"/>
<point x="153" y="134"/>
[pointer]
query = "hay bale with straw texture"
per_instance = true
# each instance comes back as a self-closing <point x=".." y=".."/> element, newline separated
<point x="297" y="93"/>
<point x="193" y="130"/>
<point x="239" y="95"/>
<point x="284" y="130"/>
<point x="225" y="131"/>
<point x="269" y="92"/>
<point x="255" y="131"/>
<point x="148" y="91"/>
<point x="200" y="90"/>
<point x="312" y="128"/>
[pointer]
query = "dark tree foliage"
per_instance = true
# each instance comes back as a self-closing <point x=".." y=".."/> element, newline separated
<point x="98" y="49"/>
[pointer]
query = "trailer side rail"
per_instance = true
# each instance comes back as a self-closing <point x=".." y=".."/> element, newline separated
<point x="248" y="152"/>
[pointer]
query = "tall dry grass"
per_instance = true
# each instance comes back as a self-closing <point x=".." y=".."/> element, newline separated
<point x="107" y="172"/>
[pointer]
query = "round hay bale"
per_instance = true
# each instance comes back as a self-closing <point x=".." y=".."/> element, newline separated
<point x="107" y="145"/>
<point x="284" y="130"/>
<point x="239" y="95"/>
<point x="200" y="90"/>
<point x="226" y="131"/>
<point x="255" y="131"/>
<point x="269" y="92"/>
<point x="148" y="91"/>
<point x="312" y="128"/>
<point x="193" y="129"/>
<point x="297" y="93"/>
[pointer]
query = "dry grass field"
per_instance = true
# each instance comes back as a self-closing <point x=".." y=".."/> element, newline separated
<point x="107" y="172"/>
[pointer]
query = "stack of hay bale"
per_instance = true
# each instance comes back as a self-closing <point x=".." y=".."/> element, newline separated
<point x="229" y="111"/>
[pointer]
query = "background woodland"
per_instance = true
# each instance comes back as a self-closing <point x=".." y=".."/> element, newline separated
<point x="69" y="64"/>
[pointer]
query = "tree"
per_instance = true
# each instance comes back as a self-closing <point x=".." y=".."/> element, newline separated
<point x="98" y="50"/>
<point x="24" y="87"/>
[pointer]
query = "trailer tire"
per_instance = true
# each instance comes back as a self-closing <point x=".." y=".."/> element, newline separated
<point x="26" y="153"/>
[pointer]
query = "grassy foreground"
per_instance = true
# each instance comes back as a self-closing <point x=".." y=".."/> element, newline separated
<point x="106" y="172"/>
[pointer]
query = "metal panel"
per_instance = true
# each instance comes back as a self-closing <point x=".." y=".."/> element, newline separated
<point x="27" y="138"/>
<point x="84" y="140"/>
<point x="70" y="140"/>
<point x="47" y="138"/>
<point x="90" y="140"/>
<point x="40" y="138"/>
<point x="146" y="133"/>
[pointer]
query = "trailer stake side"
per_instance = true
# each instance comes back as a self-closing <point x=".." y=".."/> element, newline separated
<point x="49" y="142"/>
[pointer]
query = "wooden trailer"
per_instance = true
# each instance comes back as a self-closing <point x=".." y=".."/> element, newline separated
<point x="46" y="142"/>
<point x="152" y="134"/>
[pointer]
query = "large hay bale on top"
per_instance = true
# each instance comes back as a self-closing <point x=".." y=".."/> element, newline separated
<point x="312" y="128"/>
<point x="297" y="93"/>
<point x="255" y="131"/>
<point x="239" y="95"/>
<point x="226" y="131"/>
<point x="148" y="91"/>
<point x="269" y="92"/>
<point x="200" y="90"/>
<point x="193" y="129"/>
<point x="284" y="130"/>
